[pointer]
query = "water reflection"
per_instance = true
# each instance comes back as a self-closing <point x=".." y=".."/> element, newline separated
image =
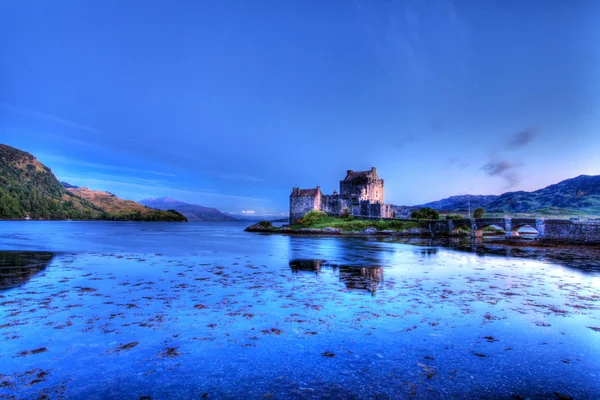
<point x="355" y="278"/>
<point x="17" y="267"/>
<point x="582" y="258"/>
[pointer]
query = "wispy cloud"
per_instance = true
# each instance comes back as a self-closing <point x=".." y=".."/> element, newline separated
<point x="241" y="177"/>
<point x="46" y="117"/>
<point x="98" y="166"/>
<point x="521" y="139"/>
<point x="458" y="162"/>
<point x="504" y="169"/>
<point x="401" y="32"/>
<point x="404" y="141"/>
<point x="501" y="166"/>
<point x="159" y="189"/>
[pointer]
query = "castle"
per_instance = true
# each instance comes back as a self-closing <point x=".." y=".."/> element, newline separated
<point x="361" y="194"/>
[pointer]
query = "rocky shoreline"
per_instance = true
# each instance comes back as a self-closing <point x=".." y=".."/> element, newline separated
<point x="329" y="231"/>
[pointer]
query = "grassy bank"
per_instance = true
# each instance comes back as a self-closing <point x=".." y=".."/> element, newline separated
<point x="350" y="225"/>
<point x="316" y="220"/>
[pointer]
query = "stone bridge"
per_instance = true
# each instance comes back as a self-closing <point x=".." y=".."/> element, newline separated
<point x="557" y="230"/>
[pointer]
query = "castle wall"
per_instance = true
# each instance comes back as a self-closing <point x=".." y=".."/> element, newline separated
<point x="332" y="204"/>
<point x="372" y="210"/>
<point x="300" y="205"/>
<point x="362" y="189"/>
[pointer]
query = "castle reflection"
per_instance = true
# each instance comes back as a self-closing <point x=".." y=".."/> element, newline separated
<point x="355" y="278"/>
<point x="17" y="267"/>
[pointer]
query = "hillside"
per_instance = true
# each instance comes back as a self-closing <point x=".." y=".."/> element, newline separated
<point x="578" y="194"/>
<point x="27" y="187"/>
<point x="115" y="208"/>
<point x="575" y="196"/>
<point x="457" y="203"/>
<point x="193" y="212"/>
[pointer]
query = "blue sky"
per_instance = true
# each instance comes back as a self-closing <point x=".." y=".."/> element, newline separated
<point x="232" y="103"/>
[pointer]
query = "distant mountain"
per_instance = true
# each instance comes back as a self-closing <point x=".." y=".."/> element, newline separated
<point x="580" y="194"/>
<point x="193" y="212"/>
<point x="575" y="195"/>
<point x="29" y="188"/>
<point x="459" y="203"/>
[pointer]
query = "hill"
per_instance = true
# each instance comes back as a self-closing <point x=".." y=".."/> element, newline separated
<point x="580" y="194"/>
<point x="459" y="203"/>
<point x="193" y="212"/>
<point x="118" y="209"/>
<point x="575" y="196"/>
<point x="27" y="187"/>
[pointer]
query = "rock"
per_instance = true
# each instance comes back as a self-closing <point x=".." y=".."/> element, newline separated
<point x="370" y="231"/>
<point x="331" y="230"/>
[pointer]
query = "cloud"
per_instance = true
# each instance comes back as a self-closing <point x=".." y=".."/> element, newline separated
<point x="151" y="187"/>
<point x="81" y="163"/>
<point x="241" y="177"/>
<point x="248" y="212"/>
<point x="504" y="169"/>
<point x="46" y="117"/>
<point x="508" y="170"/>
<point x="522" y="139"/>
<point x="459" y="162"/>
<point x="404" y="141"/>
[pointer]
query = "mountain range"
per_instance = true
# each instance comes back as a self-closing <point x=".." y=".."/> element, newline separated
<point x="29" y="188"/>
<point x="579" y="195"/>
<point x="193" y="212"/>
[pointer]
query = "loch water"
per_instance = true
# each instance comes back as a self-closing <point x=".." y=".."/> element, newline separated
<point x="97" y="310"/>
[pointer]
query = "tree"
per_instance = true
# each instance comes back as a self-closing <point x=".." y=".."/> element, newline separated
<point x="425" y="213"/>
<point x="478" y="213"/>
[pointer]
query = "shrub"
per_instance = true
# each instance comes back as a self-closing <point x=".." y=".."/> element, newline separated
<point x="425" y="213"/>
<point x="265" y="224"/>
<point x="313" y="217"/>
<point x="478" y="213"/>
<point x="454" y="216"/>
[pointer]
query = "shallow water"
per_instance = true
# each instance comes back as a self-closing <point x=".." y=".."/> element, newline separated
<point x="127" y="310"/>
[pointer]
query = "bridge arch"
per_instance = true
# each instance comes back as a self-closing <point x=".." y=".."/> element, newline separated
<point x="498" y="227"/>
<point x="460" y="227"/>
<point x="524" y="229"/>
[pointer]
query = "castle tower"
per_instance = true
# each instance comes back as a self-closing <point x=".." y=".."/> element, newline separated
<point x="360" y="186"/>
<point x="303" y="201"/>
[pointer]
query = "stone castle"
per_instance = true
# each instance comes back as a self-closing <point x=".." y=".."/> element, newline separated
<point x="361" y="195"/>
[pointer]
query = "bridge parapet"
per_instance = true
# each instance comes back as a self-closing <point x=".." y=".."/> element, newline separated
<point x="583" y="232"/>
<point x="555" y="230"/>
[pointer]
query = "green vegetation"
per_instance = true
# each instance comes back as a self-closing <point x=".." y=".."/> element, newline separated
<point x="155" y="215"/>
<point x="492" y="230"/>
<point x="319" y="220"/>
<point x="313" y="217"/>
<point x="478" y="213"/>
<point x="266" y="224"/>
<point x="28" y="187"/>
<point x="425" y="213"/>
<point x="454" y="216"/>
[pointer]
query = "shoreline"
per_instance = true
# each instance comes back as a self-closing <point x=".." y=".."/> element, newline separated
<point x="416" y="233"/>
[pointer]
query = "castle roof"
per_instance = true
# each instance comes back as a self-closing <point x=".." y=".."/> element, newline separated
<point x="352" y="175"/>
<point x="306" y="192"/>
